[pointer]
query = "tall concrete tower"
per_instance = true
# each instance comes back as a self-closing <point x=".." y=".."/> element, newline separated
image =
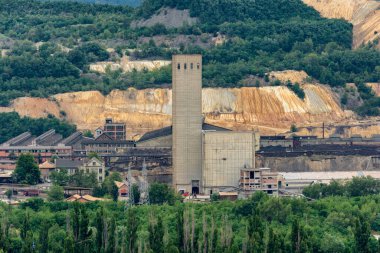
<point x="187" y="122"/>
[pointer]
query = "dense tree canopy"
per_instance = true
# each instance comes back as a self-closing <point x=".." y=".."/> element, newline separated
<point x="259" y="224"/>
<point x="261" y="36"/>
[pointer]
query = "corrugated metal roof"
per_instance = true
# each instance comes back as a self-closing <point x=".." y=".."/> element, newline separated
<point x="68" y="163"/>
<point x="327" y="175"/>
<point x="166" y="131"/>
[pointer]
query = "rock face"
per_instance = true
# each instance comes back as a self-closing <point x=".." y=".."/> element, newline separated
<point x="363" y="14"/>
<point x="170" y="18"/>
<point x="128" y="66"/>
<point x="272" y="109"/>
<point x="375" y="87"/>
<point x="290" y="75"/>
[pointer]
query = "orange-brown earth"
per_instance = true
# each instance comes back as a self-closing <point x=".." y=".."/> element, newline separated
<point x="272" y="110"/>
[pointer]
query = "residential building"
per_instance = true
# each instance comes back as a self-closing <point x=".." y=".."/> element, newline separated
<point x="46" y="169"/>
<point x="70" y="165"/>
<point x="123" y="188"/>
<point x="7" y="165"/>
<point x="93" y="165"/>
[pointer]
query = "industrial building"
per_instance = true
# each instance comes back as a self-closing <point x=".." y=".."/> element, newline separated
<point x="261" y="179"/>
<point x="115" y="130"/>
<point x="206" y="158"/>
<point x="43" y="147"/>
<point x="225" y="154"/>
<point x="187" y="122"/>
<point x="105" y="144"/>
<point x="297" y="181"/>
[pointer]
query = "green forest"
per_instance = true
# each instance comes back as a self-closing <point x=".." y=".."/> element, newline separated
<point x="260" y="224"/>
<point x="262" y="36"/>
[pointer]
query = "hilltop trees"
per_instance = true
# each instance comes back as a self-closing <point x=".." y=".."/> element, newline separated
<point x="261" y="36"/>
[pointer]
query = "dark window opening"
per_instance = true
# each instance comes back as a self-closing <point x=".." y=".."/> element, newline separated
<point x="251" y="174"/>
<point x="198" y="65"/>
<point x="195" y="190"/>
<point x="179" y="66"/>
<point x="191" y="65"/>
<point x="185" y="66"/>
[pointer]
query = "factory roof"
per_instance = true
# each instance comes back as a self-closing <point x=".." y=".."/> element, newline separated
<point x="68" y="163"/>
<point x="47" y="139"/>
<point x="326" y="176"/>
<point x="104" y="138"/>
<point x="166" y="131"/>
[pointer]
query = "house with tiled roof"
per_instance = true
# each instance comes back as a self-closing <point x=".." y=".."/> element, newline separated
<point x="46" y="169"/>
<point x="83" y="199"/>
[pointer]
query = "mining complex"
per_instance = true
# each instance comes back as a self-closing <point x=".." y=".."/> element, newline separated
<point x="197" y="158"/>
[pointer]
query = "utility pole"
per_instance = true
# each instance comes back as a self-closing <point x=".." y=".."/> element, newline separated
<point x="130" y="192"/>
<point x="144" y="185"/>
<point x="130" y="201"/>
<point x="323" y="130"/>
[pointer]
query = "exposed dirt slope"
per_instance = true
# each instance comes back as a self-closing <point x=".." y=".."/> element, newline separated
<point x="363" y="14"/>
<point x="270" y="109"/>
<point x="273" y="108"/>
<point x="375" y="87"/>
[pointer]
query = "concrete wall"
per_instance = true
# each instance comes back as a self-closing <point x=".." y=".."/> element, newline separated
<point x="225" y="154"/>
<point x="187" y="121"/>
<point x="317" y="163"/>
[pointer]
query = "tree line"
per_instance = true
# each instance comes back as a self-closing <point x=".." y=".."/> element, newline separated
<point x="259" y="224"/>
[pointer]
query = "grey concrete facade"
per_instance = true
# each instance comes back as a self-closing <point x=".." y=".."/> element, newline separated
<point x="225" y="154"/>
<point x="187" y="122"/>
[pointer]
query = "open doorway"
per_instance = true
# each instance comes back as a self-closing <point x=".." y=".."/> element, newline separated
<point x="195" y="187"/>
